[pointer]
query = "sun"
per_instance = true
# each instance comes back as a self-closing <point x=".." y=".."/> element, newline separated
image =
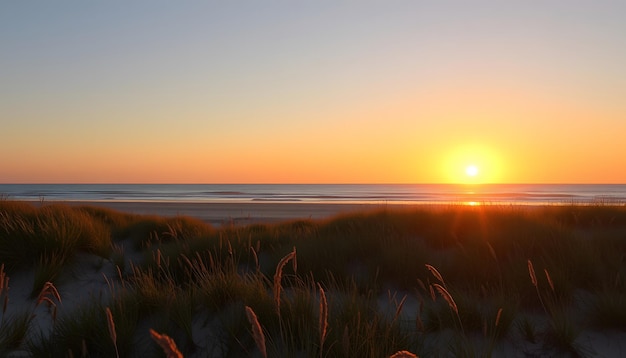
<point x="471" y="170"/>
<point x="471" y="164"/>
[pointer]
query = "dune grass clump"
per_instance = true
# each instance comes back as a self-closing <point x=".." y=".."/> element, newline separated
<point x="437" y="281"/>
<point x="48" y="236"/>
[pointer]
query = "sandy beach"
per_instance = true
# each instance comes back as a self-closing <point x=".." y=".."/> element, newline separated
<point x="237" y="212"/>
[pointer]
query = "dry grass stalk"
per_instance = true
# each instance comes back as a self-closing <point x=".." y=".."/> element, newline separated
<point x="111" y="325"/>
<point x="533" y="279"/>
<point x="51" y="306"/>
<point x="403" y="354"/>
<point x="47" y="290"/>
<point x="184" y="258"/>
<point x="345" y="342"/>
<point x="418" y="318"/>
<point x="47" y="293"/>
<point x="323" y="320"/>
<point x="256" y="258"/>
<point x="167" y="344"/>
<point x="435" y="273"/>
<point x="112" y="333"/>
<point x="422" y="285"/>
<point x="432" y="292"/>
<point x="549" y="279"/>
<point x="278" y="276"/>
<point x="447" y="296"/>
<point x="4" y="288"/>
<point x="492" y="252"/>
<point x="498" y="316"/>
<point x="399" y="308"/>
<point x="257" y="331"/>
<point x="531" y="271"/>
<point x="4" y="280"/>
<point x="230" y="248"/>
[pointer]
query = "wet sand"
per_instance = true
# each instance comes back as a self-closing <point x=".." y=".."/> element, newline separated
<point x="237" y="213"/>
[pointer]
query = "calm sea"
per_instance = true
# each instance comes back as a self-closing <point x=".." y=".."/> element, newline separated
<point x="526" y="194"/>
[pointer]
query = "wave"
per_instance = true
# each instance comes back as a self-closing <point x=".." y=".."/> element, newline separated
<point x="363" y="193"/>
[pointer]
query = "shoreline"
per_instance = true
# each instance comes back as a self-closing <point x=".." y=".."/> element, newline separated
<point x="220" y="213"/>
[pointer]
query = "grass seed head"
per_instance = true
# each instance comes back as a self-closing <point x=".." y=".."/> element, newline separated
<point x="48" y="290"/>
<point x="111" y="325"/>
<point x="447" y="296"/>
<point x="323" y="319"/>
<point x="278" y="276"/>
<point x="112" y="332"/>
<point x="167" y="344"/>
<point x="257" y="332"/>
<point x="255" y="257"/>
<point x="498" y="316"/>
<point x="399" y="308"/>
<point x="531" y="272"/>
<point x="549" y="279"/>
<point x="435" y="273"/>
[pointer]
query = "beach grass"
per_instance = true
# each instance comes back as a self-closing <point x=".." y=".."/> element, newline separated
<point x="456" y="280"/>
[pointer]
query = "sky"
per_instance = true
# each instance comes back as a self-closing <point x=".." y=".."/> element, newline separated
<point x="312" y="91"/>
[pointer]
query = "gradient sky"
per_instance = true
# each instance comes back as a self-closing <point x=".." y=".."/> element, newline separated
<point x="312" y="91"/>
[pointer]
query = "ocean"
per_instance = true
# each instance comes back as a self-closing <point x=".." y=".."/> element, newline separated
<point x="521" y="194"/>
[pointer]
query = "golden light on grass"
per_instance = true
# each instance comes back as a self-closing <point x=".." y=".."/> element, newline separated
<point x="48" y="290"/>
<point x="447" y="296"/>
<point x="279" y="275"/>
<point x="531" y="272"/>
<point x="257" y="331"/>
<point x="403" y="354"/>
<point x="112" y="332"/>
<point x="166" y="343"/>
<point x="498" y="315"/>
<point x="435" y="273"/>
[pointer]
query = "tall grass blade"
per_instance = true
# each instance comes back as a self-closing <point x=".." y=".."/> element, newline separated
<point x="257" y="331"/>
<point x="323" y="319"/>
<point x="112" y="332"/>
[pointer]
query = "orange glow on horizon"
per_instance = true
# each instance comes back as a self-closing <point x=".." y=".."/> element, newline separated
<point x="471" y="164"/>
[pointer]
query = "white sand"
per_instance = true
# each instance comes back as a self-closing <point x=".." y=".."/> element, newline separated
<point x="239" y="212"/>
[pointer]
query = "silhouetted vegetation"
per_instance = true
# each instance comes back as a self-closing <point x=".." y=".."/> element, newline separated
<point x="365" y="284"/>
